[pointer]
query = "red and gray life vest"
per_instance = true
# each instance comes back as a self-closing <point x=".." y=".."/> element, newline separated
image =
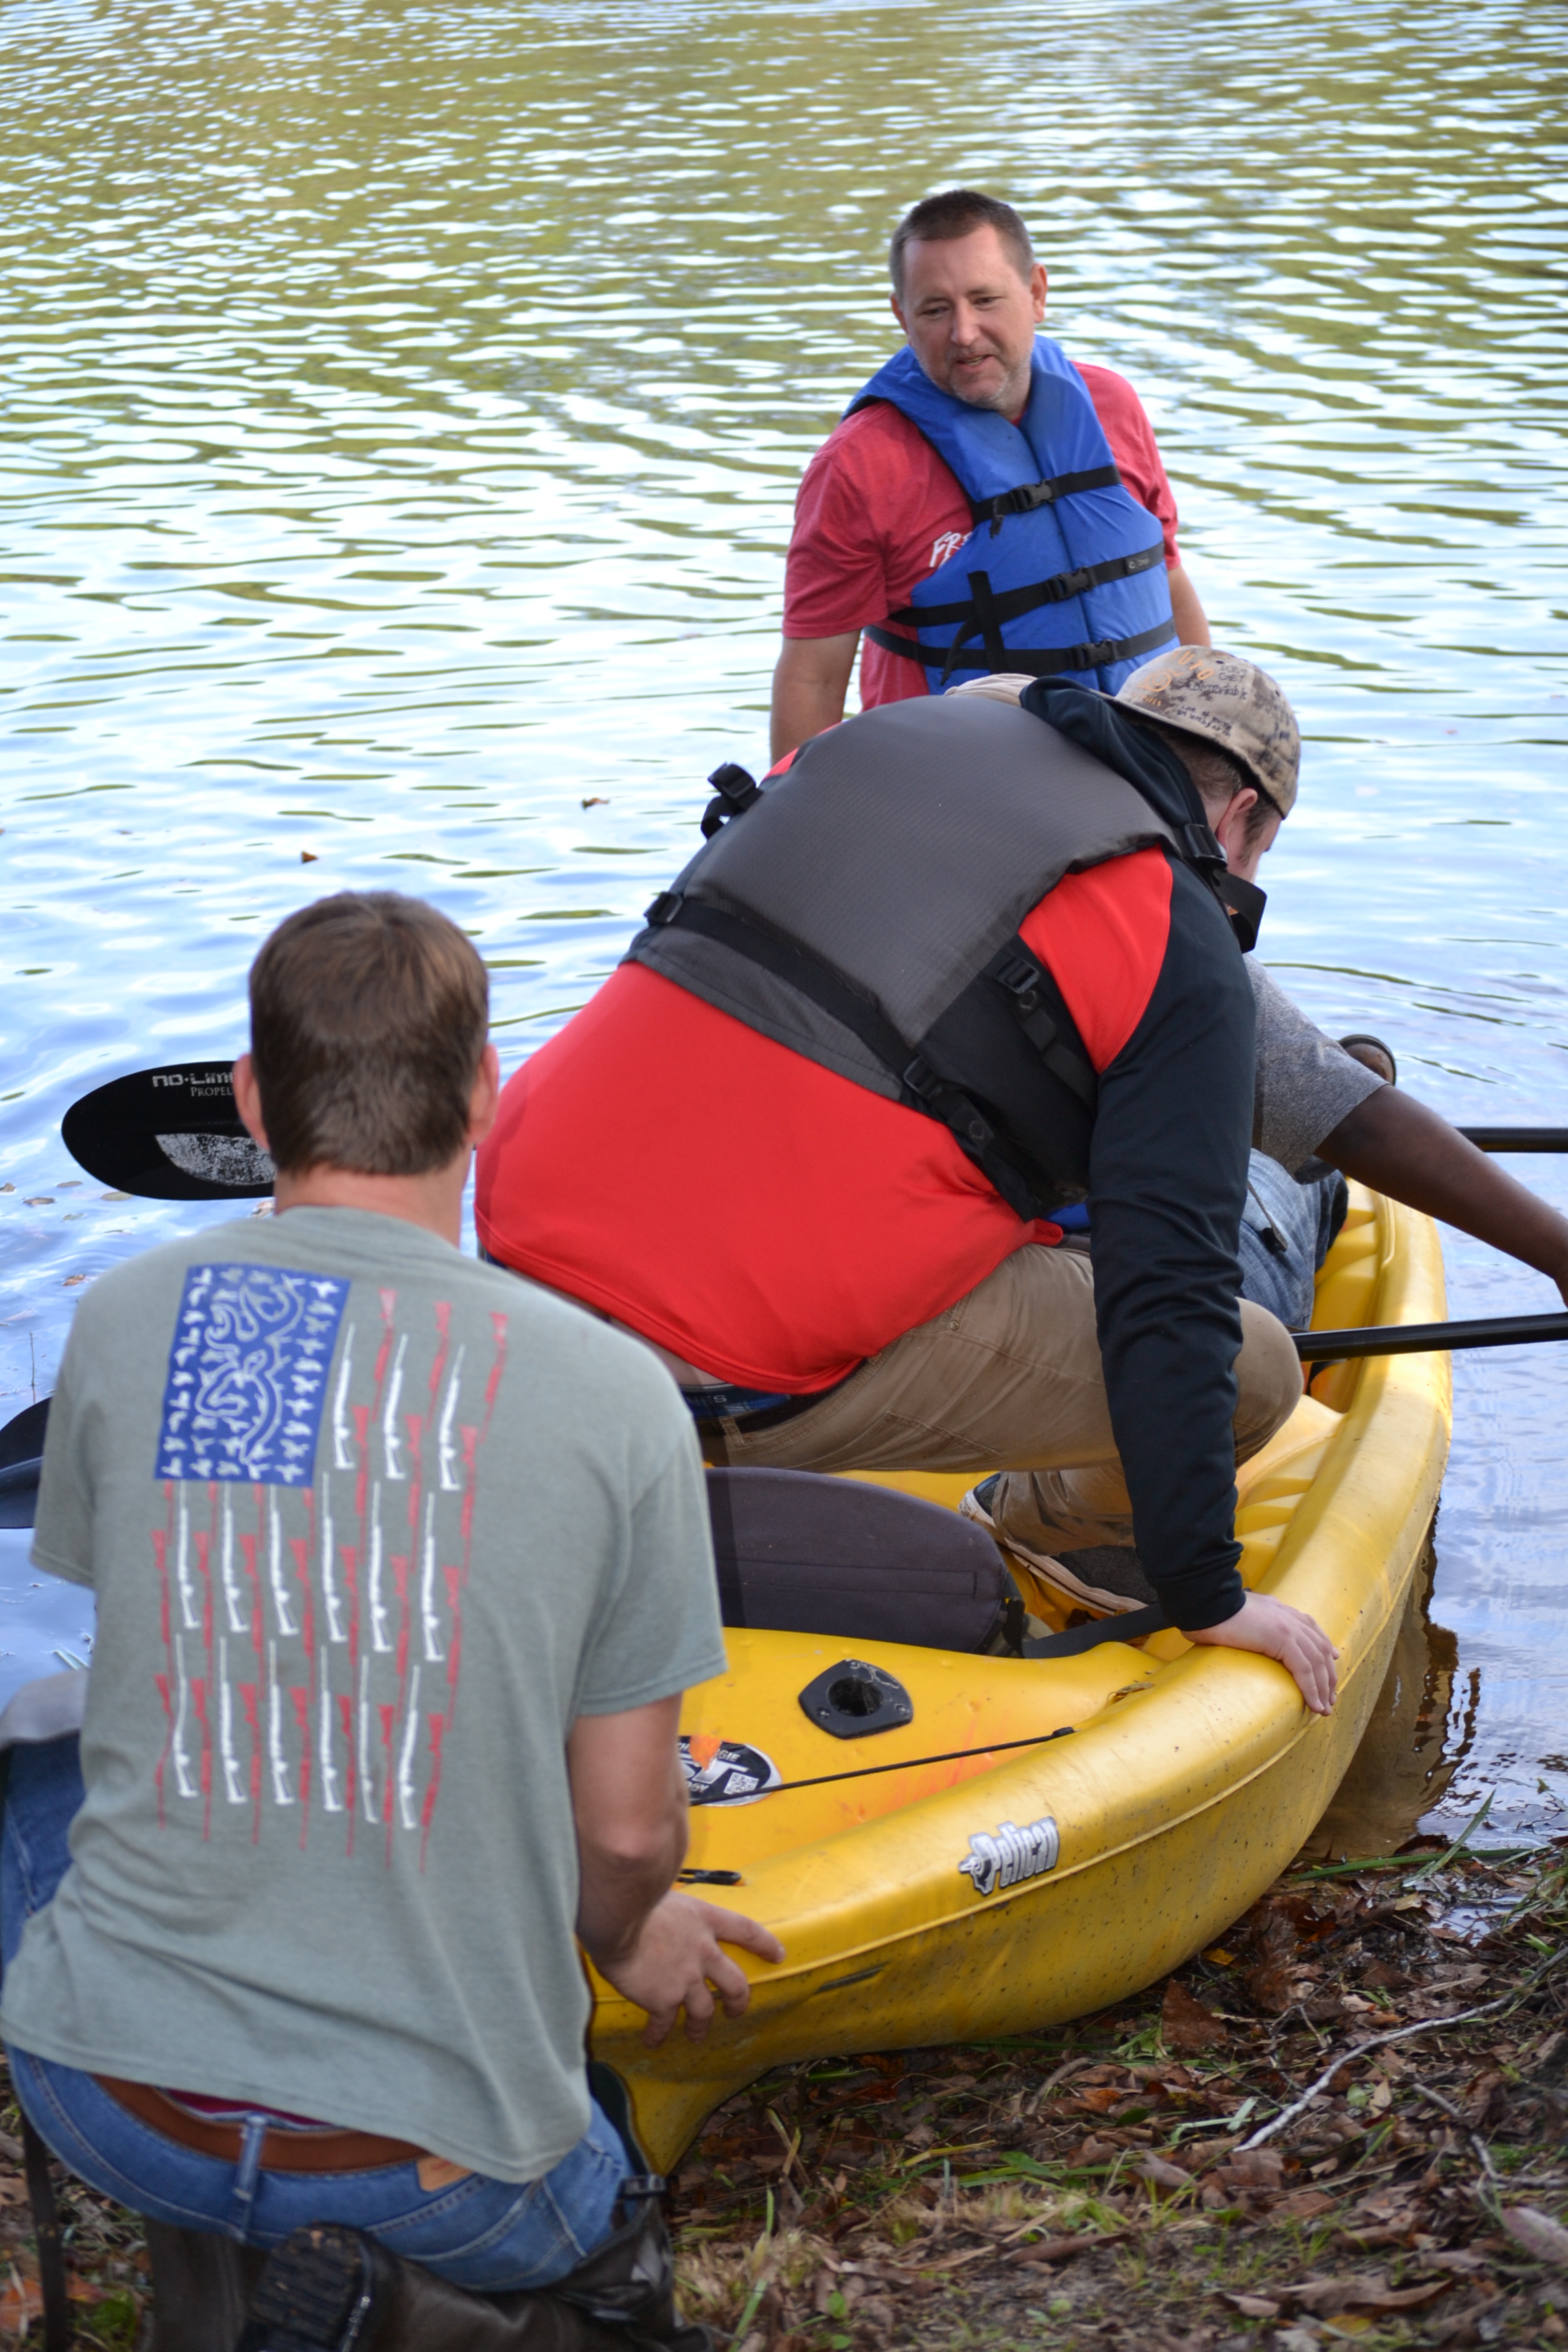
<point x="1059" y="577"/>
<point x="863" y="909"/>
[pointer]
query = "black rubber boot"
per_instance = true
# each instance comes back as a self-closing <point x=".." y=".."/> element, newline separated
<point x="329" y="2289"/>
<point x="325" y="2289"/>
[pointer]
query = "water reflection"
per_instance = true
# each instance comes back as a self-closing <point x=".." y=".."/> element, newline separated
<point x="1413" y="1743"/>
<point x="402" y="420"/>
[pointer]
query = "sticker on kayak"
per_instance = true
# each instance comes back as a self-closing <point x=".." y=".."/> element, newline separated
<point x="725" y="1771"/>
<point x="1002" y="1856"/>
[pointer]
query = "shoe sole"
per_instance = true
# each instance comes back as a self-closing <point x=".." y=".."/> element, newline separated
<point x="1049" y="1569"/>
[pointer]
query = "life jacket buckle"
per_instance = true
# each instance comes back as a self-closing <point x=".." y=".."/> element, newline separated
<point x="1201" y="845"/>
<point x="664" y="908"/>
<point x="735" y="788"/>
<point x="1022" y="982"/>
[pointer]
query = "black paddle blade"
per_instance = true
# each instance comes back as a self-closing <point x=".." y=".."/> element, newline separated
<point x="172" y="1134"/>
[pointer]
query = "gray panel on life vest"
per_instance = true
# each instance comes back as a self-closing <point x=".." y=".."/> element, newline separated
<point x="707" y="969"/>
<point x="906" y="847"/>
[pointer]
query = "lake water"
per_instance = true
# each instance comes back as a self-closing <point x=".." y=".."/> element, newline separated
<point x="403" y="412"/>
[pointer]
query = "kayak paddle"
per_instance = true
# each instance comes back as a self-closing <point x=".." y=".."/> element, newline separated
<point x="1427" y="1339"/>
<point x="170" y="1134"/>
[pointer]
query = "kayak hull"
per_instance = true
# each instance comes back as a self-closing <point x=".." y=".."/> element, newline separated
<point x="1191" y="1777"/>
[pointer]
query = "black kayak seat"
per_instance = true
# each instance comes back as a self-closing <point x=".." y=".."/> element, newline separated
<point x="799" y="1553"/>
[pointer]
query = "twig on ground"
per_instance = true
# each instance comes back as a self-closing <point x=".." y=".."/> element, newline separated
<point x="1379" y="2040"/>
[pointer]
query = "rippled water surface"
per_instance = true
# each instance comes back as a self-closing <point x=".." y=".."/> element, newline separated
<point x="402" y="410"/>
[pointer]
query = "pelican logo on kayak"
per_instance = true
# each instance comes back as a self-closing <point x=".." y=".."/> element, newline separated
<point x="725" y="1771"/>
<point x="1003" y="1856"/>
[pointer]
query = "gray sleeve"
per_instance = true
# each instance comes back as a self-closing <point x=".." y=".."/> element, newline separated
<point x="1305" y="1083"/>
<point x="662" y="1633"/>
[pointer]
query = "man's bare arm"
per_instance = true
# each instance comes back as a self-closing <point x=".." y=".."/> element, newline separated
<point x="628" y="1803"/>
<point x="1192" y="627"/>
<point x="662" y="1949"/>
<point x="810" y="683"/>
<point x="1398" y="1146"/>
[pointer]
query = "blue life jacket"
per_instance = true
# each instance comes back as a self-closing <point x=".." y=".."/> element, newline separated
<point x="1059" y="577"/>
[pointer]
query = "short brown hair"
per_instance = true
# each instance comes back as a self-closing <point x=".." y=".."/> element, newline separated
<point x="1219" y="777"/>
<point x="957" y="212"/>
<point x="368" y="1015"/>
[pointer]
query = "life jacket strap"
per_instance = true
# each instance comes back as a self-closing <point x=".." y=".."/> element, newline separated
<point x="1012" y="602"/>
<point x="920" y="1086"/>
<point x="1030" y="495"/>
<point x="1027" y="661"/>
<point x="1032" y="988"/>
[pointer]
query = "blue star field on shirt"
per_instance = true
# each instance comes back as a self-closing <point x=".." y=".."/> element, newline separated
<point x="247" y="1374"/>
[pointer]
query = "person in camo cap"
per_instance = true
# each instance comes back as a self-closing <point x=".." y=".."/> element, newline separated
<point x="1321" y="1111"/>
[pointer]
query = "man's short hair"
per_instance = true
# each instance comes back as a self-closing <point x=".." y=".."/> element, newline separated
<point x="1218" y="777"/>
<point x="958" y="212"/>
<point x="368" y="1015"/>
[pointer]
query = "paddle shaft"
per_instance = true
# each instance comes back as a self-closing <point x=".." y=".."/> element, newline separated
<point x="1517" y="1139"/>
<point x="1425" y="1339"/>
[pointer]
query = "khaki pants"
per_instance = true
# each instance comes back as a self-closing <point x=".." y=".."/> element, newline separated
<point x="1009" y="1379"/>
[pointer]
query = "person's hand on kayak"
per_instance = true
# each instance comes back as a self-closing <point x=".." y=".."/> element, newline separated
<point x="1277" y="1631"/>
<point x="678" y="1963"/>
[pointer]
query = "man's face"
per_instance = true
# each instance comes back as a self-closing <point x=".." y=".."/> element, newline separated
<point x="971" y="318"/>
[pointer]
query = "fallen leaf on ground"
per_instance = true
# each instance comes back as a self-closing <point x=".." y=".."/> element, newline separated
<point x="21" y="2302"/>
<point x="1186" y="2024"/>
<point x="1057" y="2250"/>
<point x="1537" y="2232"/>
<point x="1163" y="2175"/>
<point x="1256" y="2306"/>
<point x="1255" y="2168"/>
<point x="1301" y="2205"/>
<point x="1325" y="2297"/>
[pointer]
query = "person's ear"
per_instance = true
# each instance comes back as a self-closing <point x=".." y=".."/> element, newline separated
<point x="1038" y="283"/>
<point x="1230" y="831"/>
<point x="485" y="1098"/>
<point x="247" y="1099"/>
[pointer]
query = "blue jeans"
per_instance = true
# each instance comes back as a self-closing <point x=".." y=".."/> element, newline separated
<point x="494" y="2236"/>
<point x="1303" y="1219"/>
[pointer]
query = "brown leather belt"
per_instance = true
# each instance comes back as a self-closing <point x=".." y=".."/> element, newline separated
<point x="284" y="2149"/>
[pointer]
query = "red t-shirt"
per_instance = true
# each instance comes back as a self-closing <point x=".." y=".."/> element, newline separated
<point x="878" y="509"/>
<point x="755" y="1213"/>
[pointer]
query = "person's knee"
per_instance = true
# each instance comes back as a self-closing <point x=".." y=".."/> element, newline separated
<point x="1268" y="1378"/>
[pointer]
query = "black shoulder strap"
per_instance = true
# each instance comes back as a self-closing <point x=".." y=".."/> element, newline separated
<point x="919" y="1086"/>
<point x="1029" y="989"/>
<point x="1042" y="1014"/>
<point x="1027" y="661"/>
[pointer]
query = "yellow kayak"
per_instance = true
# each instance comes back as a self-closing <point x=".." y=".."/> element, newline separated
<point x="1001" y="1889"/>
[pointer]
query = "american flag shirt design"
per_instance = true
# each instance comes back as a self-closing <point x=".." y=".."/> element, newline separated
<point x="319" y="1465"/>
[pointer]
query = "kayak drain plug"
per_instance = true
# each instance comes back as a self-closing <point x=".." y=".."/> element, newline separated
<point x="853" y="1698"/>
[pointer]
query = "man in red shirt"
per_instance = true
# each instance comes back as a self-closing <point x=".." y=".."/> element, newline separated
<point x="963" y="965"/>
<point x="879" y="510"/>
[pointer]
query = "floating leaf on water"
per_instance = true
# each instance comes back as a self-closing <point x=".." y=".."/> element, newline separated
<point x="307" y="857"/>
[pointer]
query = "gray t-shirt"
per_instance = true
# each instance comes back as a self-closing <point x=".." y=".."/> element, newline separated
<point x="1305" y="1084"/>
<point x="369" y="1524"/>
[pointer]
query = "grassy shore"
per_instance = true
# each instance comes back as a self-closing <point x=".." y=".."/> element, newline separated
<point x="1151" y="2178"/>
<point x="1176" y="2176"/>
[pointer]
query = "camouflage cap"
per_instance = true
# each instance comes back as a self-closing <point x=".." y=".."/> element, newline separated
<point x="1221" y="699"/>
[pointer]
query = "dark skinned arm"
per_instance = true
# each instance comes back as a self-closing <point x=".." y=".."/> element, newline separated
<point x="1395" y="1145"/>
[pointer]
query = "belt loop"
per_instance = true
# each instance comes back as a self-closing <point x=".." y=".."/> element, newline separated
<point x="252" y="2140"/>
